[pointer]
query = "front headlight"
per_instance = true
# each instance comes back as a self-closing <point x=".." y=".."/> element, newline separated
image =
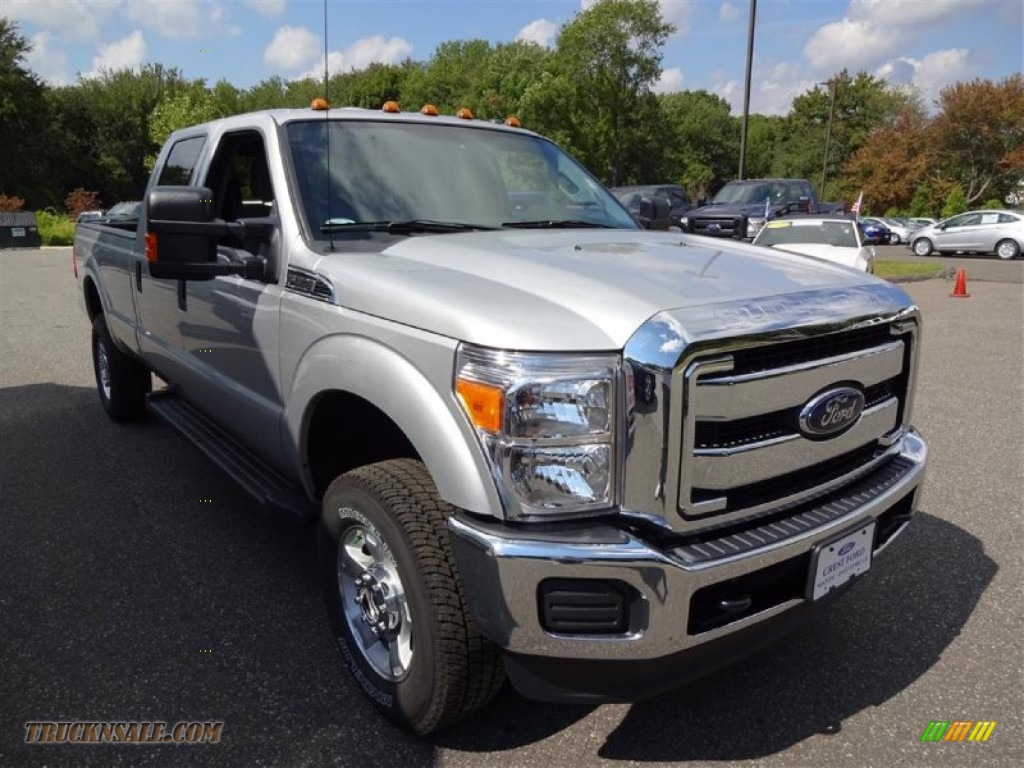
<point x="547" y="423"/>
<point x="754" y="226"/>
<point x="684" y="223"/>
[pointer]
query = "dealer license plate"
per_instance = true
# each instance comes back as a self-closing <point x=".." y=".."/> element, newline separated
<point x="836" y="562"/>
<point x="17" y="231"/>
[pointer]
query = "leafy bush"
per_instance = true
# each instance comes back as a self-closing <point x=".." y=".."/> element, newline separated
<point x="993" y="204"/>
<point x="81" y="200"/>
<point x="956" y="202"/>
<point x="55" y="228"/>
<point x="11" y="204"/>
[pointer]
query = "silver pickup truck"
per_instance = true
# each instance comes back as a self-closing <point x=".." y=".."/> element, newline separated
<point x="541" y="443"/>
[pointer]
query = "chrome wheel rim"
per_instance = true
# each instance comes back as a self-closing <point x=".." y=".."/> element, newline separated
<point x="1005" y="251"/>
<point x="374" y="603"/>
<point x="921" y="248"/>
<point x="103" y="368"/>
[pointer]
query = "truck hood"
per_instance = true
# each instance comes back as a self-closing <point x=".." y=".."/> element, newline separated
<point x="561" y="289"/>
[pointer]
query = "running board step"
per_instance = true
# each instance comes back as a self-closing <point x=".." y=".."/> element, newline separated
<point x="265" y="484"/>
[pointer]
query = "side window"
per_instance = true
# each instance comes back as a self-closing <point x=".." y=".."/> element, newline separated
<point x="678" y="199"/>
<point x="181" y="161"/>
<point x="239" y="177"/>
<point x="958" y="221"/>
<point x="1005" y="218"/>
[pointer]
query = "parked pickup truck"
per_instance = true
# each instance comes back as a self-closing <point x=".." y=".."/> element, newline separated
<point x="741" y="208"/>
<point x="540" y="442"/>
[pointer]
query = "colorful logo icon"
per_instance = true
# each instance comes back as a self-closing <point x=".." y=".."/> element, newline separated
<point x="958" y="730"/>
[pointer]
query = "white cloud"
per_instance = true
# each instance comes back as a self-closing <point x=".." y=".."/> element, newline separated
<point x="291" y="48"/>
<point x="180" y="19"/>
<point x="930" y="74"/>
<point x="539" y="31"/>
<point x="911" y="13"/>
<point x="774" y="88"/>
<point x="671" y="80"/>
<point x="362" y="53"/>
<point x="728" y="13"/>
<point x="70" y="19"/>
<point x="676" y="12"/>
<point x="49" y="63"/>
<point x="127" y="53"/>
<point x="874" y="31"/>
<point x="269" y="8"/>
<point x="853" y="44"/>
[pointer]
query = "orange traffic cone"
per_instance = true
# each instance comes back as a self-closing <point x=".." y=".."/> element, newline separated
<point x="960" y="289"/>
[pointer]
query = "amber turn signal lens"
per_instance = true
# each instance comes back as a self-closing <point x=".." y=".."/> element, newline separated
<point x="483" y="402"/>
<point x="151" y="250"/>
<point x="429" y="109"/>
<point x="391" y="106"/>
<point x="319" y="104"/>
<point x="464" y="113"/>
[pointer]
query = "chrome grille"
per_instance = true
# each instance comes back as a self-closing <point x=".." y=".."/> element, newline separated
<point x="742" y="453"/>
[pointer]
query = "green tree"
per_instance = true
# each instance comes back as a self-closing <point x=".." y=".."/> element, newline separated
<point x="923" y="203"/>
<point x="702" y="141"/>
<point x="606" y="60"/>
<point x="956" y="202"/>
<point x="24" y="124"/>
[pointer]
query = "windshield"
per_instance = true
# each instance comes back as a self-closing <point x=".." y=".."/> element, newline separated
<point x="441" y="174"/>
<point x="744" y="193"/>
<point x="782" y="232"/>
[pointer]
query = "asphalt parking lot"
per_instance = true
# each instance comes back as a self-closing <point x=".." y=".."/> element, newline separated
<point x="123" y="596"/>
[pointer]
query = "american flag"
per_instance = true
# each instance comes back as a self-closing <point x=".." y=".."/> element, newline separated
<point x="855" y="209"/>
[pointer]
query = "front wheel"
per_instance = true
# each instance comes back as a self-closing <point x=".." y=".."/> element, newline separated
<point x="395" y="599"/>
<point x="1007" y="249"/>
<point x="922" y="246"/>
<point x="894" y="239"/>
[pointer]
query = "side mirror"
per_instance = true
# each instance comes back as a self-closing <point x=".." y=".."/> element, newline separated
<point x="182" y="236"/>
<point x="653" y="212"/>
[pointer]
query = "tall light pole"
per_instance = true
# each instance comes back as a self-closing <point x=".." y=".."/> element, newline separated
<point x="834" y="86"/>
<point x="746" y="90"/>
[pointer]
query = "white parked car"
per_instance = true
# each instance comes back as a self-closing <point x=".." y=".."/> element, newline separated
<point x="998" y="232"/>
<point x="832" y="238"/>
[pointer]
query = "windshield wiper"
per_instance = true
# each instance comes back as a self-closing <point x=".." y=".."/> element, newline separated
<point x="402" y="227"/>
<point x="557" y="224"/>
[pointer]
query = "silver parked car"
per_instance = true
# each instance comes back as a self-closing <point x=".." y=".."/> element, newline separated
<point x="998" y="232"/>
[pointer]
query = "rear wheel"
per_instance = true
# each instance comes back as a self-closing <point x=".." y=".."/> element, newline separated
<point x="1007" y="249"/>
<point x="395" y="599"/>
<point x="922" y="246"/>
<point x="122" y="381"/>
<point x="894" y="239"/>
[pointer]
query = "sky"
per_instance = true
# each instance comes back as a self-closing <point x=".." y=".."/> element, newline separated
<point x="798" y="43"/>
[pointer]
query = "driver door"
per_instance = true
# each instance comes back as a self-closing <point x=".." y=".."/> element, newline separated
<point x="229" y="332"/>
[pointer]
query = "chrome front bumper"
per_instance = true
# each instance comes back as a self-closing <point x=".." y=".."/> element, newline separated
<point x="502" y="568"/>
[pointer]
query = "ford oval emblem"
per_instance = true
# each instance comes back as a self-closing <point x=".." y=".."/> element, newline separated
<point x="846" y="548"/>
<point x="831" y="411"/>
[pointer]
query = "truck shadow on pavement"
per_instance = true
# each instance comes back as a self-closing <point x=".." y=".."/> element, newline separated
<point x="867" y="647"/>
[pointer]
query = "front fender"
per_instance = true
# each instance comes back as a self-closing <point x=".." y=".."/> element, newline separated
<point x="429" y="418"/>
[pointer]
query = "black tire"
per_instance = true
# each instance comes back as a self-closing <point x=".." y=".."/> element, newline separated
<point x="123" y="395"/>
<point x="453" y="670"/>
<point x="922" y="247"/>
<point x="894" y="239"/>
<point x="1007" y="250"/>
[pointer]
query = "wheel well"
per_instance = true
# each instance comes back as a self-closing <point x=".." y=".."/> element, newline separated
<point x="93" y="305"/>
<point x="345" y="432"/>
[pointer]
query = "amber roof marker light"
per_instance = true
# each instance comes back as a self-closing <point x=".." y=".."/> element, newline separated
<point x="319" y="104"/>
<point x="464" y="114"/>
<point x="513" y="122"/>
<point x="391" y="107"/>
<point x="429" y="109"/>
